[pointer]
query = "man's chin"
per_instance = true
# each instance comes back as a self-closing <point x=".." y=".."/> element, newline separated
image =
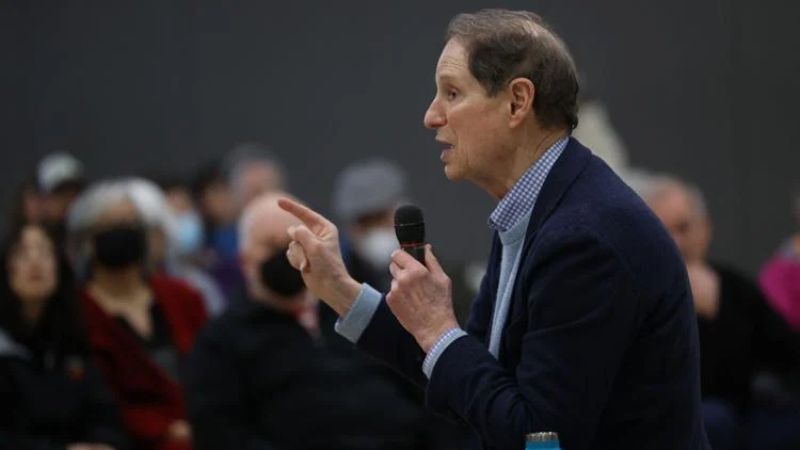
<point x="451" y="173"/>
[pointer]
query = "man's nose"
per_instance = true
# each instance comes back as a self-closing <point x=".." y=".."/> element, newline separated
<point x="434" y="116"/>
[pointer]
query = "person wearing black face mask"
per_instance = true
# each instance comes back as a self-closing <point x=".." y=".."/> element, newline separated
<point x="269" y="371"/>
<point x="140" y="325"/>
<point x="120" y="246"/>
<point x="280" y="277"/>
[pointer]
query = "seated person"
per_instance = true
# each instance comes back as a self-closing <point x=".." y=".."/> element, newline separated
<point x="739" y="334"/>
<point x="140" y="325"/>
<point x="52" y="396"/>
<point x="780" y="276"/>
<point x="267" y="375"/>
<point x="365" y="197"/>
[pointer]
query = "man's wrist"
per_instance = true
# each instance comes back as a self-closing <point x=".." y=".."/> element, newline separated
<point x="441" y="345"/>
<point x="347" y="292"/>
<point x="428" y="340"/>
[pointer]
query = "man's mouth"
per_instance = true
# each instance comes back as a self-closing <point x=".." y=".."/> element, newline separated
<point x="447" y="148"/>
<point x="445" y="152"/>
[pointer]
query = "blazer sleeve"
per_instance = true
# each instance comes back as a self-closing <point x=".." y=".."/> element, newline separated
<point x="581" y="309"/>
<point x="385" y="339"/>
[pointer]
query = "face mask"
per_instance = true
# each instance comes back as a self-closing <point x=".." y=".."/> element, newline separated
<point x="120" y="246"/>
<point x="188" y="234"/>
<point x="376" y="247"/>
<point x="279" y="276"/>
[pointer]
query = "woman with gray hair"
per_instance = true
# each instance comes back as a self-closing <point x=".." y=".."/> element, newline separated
<point x="140" y="325"/>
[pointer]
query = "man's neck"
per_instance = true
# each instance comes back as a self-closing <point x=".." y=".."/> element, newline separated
<point x="289" y="307"/>
<point x="525" y="156"/>
<point x="305" y="312"/>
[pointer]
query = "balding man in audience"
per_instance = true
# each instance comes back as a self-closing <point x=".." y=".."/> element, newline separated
<point x="269" y="375"/>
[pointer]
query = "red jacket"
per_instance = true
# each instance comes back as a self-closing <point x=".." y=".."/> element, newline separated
<point x="149" y="399"/>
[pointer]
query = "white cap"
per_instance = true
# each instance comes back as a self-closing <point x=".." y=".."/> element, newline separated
<point x="56" y="169"/>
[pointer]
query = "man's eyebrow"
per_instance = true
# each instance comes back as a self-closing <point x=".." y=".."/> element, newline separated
<point x="445" y="77"/>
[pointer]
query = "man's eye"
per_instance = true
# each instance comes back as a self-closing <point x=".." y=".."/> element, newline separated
<point x="451" y="95"/>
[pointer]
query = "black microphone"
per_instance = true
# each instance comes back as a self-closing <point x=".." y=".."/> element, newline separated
<point x="410" y="228"/>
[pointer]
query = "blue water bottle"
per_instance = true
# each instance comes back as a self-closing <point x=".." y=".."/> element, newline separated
<point x="547" y="440"/>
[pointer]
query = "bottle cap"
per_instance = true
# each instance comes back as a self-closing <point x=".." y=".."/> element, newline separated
<point x="545" y="436"/>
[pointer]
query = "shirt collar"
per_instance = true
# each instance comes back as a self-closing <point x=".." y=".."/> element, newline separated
<point x="521" y="199"/>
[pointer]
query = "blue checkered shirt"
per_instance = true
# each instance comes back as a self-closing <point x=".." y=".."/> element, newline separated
<point x="519" y="201"/>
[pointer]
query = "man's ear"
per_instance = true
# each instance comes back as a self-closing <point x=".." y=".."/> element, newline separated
<point x="521" y="94"/>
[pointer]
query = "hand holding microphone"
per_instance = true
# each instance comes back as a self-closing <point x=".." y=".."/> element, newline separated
<point x="421" y="296"/>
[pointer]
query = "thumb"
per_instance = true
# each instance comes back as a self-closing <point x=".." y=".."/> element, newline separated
<point x="430" y="260"/>
<point x="303" y="236"/>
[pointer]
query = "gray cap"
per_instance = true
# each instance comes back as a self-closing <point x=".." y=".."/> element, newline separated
<point x="367" y="187"/>
<point x="56" y="169"/>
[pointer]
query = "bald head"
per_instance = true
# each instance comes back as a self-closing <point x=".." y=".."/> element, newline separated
<point x="264" y="223"/>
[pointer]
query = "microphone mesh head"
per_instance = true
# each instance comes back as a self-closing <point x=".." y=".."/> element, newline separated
<point x="409" y="225"/>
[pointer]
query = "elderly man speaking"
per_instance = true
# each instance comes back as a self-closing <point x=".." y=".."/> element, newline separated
<point x="583" y="325"/>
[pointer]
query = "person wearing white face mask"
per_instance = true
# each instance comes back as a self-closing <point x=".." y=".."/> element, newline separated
<point x="365" y="196"/>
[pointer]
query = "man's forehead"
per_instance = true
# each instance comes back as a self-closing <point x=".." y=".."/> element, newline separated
<point x="452" y="60"/>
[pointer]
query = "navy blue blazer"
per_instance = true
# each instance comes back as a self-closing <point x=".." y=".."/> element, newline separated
<point x="601" y="340"/>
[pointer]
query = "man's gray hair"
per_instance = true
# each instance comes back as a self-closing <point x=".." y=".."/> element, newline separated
<point x="652" y="186"/>
<point x="503" y="45"/>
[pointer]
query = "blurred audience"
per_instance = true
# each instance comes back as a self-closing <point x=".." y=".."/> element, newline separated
<point x="140" y="325"/>
<point x="51" y="394"/>
<point x="189" y="235"/>
<point x="739" y="335"/>
<point x="219" y="213"/>
<point x="61" y="179"/>
<point x="270" y="373"/>
<point x="164" y="237"/>
<point x="780" y="276"/>
<point x="112" y="364"/>
<point x="222" y="190"/>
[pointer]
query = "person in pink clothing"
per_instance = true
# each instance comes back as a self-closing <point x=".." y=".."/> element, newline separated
<point x="780" y="276"/>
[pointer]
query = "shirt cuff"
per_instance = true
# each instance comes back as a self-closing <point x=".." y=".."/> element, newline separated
<point x="353" y="324"/>
<point x="444" y="341"/>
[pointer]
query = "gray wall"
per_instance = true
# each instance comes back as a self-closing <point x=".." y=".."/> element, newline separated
<point x="706" y="90"/>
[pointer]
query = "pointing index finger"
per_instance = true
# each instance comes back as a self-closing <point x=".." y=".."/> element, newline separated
<point x="311" y="219"/>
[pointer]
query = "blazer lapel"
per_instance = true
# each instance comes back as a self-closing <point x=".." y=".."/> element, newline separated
<point x="564" y="172"/>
